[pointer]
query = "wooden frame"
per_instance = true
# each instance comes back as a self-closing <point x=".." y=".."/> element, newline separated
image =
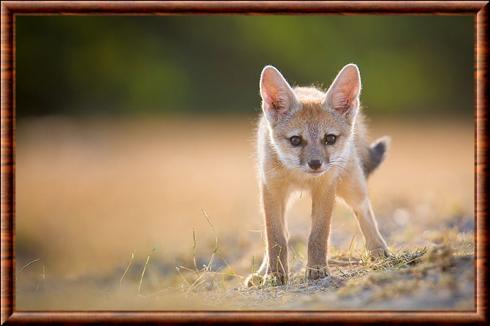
<point x="9" y="10"/>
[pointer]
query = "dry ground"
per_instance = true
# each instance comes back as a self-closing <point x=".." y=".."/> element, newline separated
<point x="155" y="214"/>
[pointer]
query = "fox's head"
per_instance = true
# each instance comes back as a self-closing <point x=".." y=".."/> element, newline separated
<point x="311" y="130"/>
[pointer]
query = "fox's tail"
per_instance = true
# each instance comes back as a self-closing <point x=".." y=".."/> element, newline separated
<point x="376" y="154"/>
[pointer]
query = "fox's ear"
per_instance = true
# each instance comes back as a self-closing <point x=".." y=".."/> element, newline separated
<point x="277" y="96"/>
<point x="343" y="94"/>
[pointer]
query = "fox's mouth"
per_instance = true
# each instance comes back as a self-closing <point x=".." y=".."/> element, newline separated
<point x="315" y="172"/>
<point x="318" y="172"/>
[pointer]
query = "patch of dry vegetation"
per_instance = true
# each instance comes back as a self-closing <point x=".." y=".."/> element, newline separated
<point x="112" y="215"/>
<point x="435" y="277"/>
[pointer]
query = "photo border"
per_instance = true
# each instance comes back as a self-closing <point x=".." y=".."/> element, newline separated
<point x="10" y="9"/>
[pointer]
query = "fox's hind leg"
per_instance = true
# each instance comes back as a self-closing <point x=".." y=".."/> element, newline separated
<point x="353" y="189"/>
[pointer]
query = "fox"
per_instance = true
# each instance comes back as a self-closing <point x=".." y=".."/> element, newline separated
<point x="313" y="141"/>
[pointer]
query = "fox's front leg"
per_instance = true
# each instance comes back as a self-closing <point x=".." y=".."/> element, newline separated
<point x="274" y="202"/>
<point x="321" y="212"/>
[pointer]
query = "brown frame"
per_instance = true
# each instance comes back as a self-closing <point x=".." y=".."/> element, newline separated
<point x="9" y="9"/>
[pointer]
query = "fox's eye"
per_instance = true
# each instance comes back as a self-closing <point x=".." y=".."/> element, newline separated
<point x="296" y="140"/>
<point x="330" y="139"/>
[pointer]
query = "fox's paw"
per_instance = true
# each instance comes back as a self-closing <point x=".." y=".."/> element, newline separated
<point x="254" y="280"/>
<point x="379" y="253"/>
<point x="316" y="272"/>
<point x="269" y="279"/>
<point x="275" y="279"/>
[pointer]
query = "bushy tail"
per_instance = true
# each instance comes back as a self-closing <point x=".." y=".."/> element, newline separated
<point x="377" y="153"/>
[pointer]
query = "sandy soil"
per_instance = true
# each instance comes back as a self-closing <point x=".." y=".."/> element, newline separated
<point x="111" y="214"/>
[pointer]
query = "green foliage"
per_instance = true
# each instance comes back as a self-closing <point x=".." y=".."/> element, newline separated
<point x="203" y="64"/>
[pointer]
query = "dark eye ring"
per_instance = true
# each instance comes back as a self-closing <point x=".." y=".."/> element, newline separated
<point x="330" y="139"/>
<point x="295" y="140"/>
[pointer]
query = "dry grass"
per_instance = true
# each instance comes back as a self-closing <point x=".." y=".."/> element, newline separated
<point x="164" y="215"/>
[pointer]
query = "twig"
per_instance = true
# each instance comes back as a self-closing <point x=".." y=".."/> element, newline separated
<point x="127" y="268"/>
<point x="182" y="275"/>
<point x="29" y="264"/>
<point x="186" y="268"/>
<point x="198" y="279"/>
<point x="216" y="244"/>
<point x="143" y="274"/>
<point x="194" y="248"/>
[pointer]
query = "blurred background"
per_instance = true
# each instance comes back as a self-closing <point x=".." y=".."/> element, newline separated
<point x="135" y="138"/>
<point x="201" y="65"/>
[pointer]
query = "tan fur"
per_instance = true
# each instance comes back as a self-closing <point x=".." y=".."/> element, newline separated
<point x="283" y="168"/>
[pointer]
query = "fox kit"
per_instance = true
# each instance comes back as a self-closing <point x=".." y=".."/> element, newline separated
<point x="313" y="141"/>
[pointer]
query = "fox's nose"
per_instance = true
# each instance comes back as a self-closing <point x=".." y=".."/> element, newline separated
<point x="315" y="164"/>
